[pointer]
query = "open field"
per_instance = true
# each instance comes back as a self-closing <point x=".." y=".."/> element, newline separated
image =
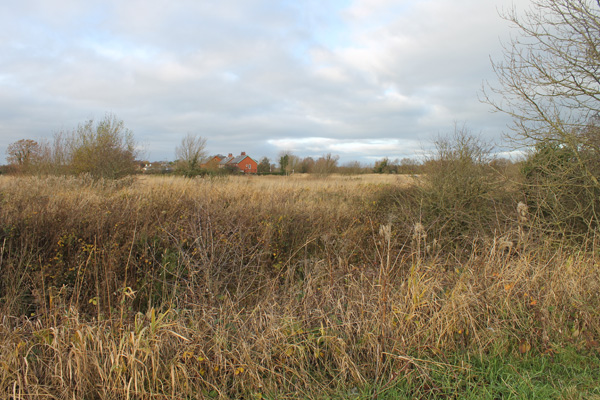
<point x="284" y="287"/>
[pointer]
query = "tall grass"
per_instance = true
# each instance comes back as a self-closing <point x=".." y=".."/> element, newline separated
<point x="265" y="287"/>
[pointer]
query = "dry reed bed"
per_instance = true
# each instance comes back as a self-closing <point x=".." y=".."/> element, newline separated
<point x="177" y="288"/>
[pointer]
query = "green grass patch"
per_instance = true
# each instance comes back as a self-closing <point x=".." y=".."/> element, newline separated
<point x="565" y="374"/>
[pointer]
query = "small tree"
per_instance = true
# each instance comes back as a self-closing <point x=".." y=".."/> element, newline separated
<point x="56" y="156"/>
<point x="284" y="161"/>
<point x="326" y="164"/>
<point x="264" y="166"/>
<point x="293" y="163"/>
<point x="307" y="165"/>
<point x="104" y="150"/>
<point x="23" y="153"/>
<point x="190" y="153"/>
<point x="385" y="166"/>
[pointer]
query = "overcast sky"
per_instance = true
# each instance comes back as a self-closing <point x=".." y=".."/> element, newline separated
<point x="363" y="79"/>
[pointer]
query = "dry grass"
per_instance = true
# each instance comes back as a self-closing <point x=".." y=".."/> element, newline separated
<point x="261" y="287"/>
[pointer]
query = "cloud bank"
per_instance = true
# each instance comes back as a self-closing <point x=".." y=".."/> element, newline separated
<point x="362" y="79"/>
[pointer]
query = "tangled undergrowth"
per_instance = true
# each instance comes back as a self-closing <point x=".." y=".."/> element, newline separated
<point x="271" y="287"/>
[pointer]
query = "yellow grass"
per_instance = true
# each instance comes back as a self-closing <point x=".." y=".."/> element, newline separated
<point x="260" y="287"/>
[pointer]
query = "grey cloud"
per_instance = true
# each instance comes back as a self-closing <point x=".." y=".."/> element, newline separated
<point x="248" y="73"/>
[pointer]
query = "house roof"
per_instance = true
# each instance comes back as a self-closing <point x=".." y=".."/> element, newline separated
<point x="232" y="160"/>
<point x="239" y="159"/>
<point x="212" y="158"/>
<point x="226" y="160"/>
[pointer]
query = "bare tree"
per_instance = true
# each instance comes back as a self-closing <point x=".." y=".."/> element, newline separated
<point x="550" y="85"/>
<point x="306" y="165"/>
<point x="327" y="164"/>
<point x="23" y="153"/>
<point x="549" y="76"/>
<point x="190" y="153"/>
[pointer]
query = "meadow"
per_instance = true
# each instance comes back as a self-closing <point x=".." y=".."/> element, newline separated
<point x="289" y="287"/>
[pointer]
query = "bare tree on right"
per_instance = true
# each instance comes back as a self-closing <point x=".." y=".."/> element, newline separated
<point x="550" y="86"/>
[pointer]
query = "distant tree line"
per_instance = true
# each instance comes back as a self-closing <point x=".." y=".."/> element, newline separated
<point x="103" y="149"/>
<point x="107" y="149"/>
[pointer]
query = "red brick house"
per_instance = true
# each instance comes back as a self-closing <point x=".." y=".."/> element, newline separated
<point x="213" y="163"/>
<point x="243" y="162"/>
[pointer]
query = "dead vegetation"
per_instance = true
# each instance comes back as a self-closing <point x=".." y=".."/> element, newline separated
<point x="268" y="287"/>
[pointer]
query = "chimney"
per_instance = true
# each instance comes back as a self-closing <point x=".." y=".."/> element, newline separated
<point x="230" y="155"/>
<point x="243" y="153"/>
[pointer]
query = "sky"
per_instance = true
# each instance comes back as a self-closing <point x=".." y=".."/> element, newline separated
<point x="362" y="79"/>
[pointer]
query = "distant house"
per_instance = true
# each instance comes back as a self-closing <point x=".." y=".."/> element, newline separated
<point x="243" y="163"/>
<point x="213" y="163"/>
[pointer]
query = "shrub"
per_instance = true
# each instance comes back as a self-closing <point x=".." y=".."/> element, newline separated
<point x="104" y="150"/>
<point x="560" y="191"/>
<point x="459" y="189"/>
